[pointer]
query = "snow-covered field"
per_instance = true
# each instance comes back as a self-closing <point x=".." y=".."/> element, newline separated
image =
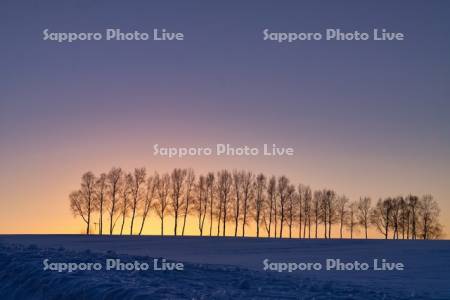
<point x="220" y="268"/>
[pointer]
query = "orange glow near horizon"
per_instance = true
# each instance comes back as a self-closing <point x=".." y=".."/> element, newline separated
<point x="43" y="206"/>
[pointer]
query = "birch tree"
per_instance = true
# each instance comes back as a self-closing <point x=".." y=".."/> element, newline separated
<point x="101" y="195"/>
<point x="113" y="179"/>
<point x="190" y="179"/>
<point x="137" y="182"/>
<point x="364" y="205"/>
<point x="259" y="200"/>
<point x="177" y="181"/>
<point x="148" y="200"/>
<point x="161" y="206"/>
<point x="283" y="185"/>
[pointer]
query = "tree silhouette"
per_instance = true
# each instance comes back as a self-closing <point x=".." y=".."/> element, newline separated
<point x="100" y="188"/>
<point x="364" y="213"/>
<point x="382" y="215"/>
<point x="190" y="179"/>
<point x="243" y="199"/>
<point x="79" y="207"/>
<point x="210" y="190"/>
<point x="238" y="178"/>
<point x="88" y="196"/>
<point x="248" y="194"/>
<point x="342" y="210"/>
<point x="163" y="186"/>
<point x="224" y="189"/>
<point x="125" y="204"/>
<point x="177" y="180"/>
<point x="148" y="200"/>
<point x="259" y="200"/>
<point x="113" y="180"/>
<point x="201" y="203"/>
<point x="136" y="192"/>
<point x="283" y="186"/>
<point x="270" y="205"/>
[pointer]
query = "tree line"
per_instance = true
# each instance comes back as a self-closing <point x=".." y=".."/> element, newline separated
<point x="117" y="200"/>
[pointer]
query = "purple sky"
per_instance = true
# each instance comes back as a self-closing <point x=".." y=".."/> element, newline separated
<point x="366" y="118"/>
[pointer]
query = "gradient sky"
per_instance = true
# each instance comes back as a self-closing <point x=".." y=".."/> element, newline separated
<point x="365" y="118"/>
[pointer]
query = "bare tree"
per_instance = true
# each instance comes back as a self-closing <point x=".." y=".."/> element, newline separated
<point x="404" y="218"/>
<point x="113" y="178"/>
<point x="331" y="205"/>
<point x="201" y="203"/>
<point x="163" y="186"/>
<point x="237" y="191"/>
<point x="395" y="216"/>
<point x="364" y="213"/>
<point x="101" y="191"/>
<point x="190" y="180"/>
<point x="125" y="195"/>
<point x="248" y="194"/>
<point x="148" y="200"/>
<point x="381" y="216"/>
<point x="219" y="204"/>
<point x="342" y="210"/>
<point x="252" y="200"/>
<point x="300" y="199"/>
<point x="80" y="207"/>
<point x="270" y="205"/>
<point x="259" y="200"/>
<point x="224" y="189"/>
<point x="276" y="208"/>
<point x="88" y="192"/>
<point x="178" y="176"/>
<point x="210" y="192"/>
<point x="429" y="214"/>
<point x="283" y="186"/>
<point x="324" y="212"/>
<point x="413" y="202"/>
<point x="316" y="209"/>
<point x="136" y="192"/>
<point x="307" y="198"/>
<point x="291" y="208"/>
<point x="352" y="218"/>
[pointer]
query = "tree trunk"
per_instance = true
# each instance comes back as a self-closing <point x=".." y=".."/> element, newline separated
<point x="300" y="223"/>
<point x="132" y="218"/>
<point x="88" y="217"/>
<point x="123" y="223"/>
<point x="309" y="226"/>
<point x="176" y="223"/>
<point x="257" y="224"/>
<point x="317" y="221"/>
<point x="211" y="217"/>
<point x="275" y="219"/>
<point x="281" y="222"/>
<point x="100" y="223"/>
<point x="219" y="219"/>
<point x="185" y="216"/>
<point x="144" y="217"/>
<point x="244" y="221"/>
<point x="270" y="218"/>
<point x="111" y="215"/>
<point x="111" y="222"/>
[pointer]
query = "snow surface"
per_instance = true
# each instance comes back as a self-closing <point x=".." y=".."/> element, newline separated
<point x="220" y="268"/>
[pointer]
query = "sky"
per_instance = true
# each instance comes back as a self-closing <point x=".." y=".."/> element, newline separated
<point x="365" y="118"/>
